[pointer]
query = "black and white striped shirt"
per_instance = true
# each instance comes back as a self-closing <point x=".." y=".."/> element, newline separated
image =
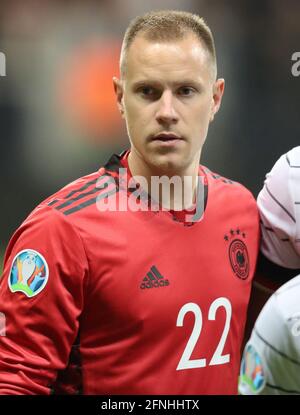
<point x="279" y="205"/>
<point x="273" y="350"/>
<point x="271" y="359"/>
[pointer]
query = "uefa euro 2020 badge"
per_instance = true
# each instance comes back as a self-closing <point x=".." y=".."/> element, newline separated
<point x="29" y="273"/>
<point x="252" y="378"/>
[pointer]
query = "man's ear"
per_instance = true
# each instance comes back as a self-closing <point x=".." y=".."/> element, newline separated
<point x="118" y="87"/>
<point x="218" y="91"/>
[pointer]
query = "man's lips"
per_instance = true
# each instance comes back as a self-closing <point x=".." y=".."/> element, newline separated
<point x="166" y="137"/>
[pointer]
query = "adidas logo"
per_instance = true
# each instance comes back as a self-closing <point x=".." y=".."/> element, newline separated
<point x="154" y="279"/>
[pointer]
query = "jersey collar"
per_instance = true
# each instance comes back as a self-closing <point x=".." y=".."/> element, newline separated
<point x="118" y="161"/>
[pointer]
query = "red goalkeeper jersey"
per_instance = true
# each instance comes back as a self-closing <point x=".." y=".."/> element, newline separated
<point x="147" y="301"/>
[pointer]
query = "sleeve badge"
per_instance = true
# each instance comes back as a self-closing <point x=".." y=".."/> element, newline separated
<point x="29" y="273"/>
<point x="252" y="377"/>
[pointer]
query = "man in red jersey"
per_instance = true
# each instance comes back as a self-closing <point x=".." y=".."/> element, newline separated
<point x="131" y="292"/>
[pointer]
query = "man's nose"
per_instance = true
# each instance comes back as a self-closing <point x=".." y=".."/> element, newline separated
<point x="166" y="112"/>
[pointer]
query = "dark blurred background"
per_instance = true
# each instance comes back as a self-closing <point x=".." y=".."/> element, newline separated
<point x="58" y="115"/>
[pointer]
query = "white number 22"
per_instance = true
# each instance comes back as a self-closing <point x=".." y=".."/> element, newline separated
<point x="217" y="359"/>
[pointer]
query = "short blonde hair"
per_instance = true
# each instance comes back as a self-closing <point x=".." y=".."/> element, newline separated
<point x="167" y="25"/>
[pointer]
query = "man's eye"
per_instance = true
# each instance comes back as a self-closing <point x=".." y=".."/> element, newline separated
<point x="147" y="91"/>
<point x="186" y="91"/>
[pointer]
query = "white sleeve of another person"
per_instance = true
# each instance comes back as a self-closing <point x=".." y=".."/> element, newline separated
<point x="279" y="205"/>
<point x="271" y="359"/>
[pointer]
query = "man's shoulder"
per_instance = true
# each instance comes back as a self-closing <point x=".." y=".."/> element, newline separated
<point x="77" y="194"/>
<point x="83" y="184"/>
<point x="280" y="172"/>
<point x="287" y="299"/>
<point x="81" y="194"/>
<point x="231" y="187"/>
<point x="281" y="312"/>
<point x="293" y="157"/>
<point x="50" y="218"/>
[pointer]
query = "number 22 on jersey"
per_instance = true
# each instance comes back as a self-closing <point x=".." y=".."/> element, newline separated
<point x="217" y="359"/>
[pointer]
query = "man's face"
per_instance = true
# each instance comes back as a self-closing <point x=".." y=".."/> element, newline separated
<point x="168" y="97"/>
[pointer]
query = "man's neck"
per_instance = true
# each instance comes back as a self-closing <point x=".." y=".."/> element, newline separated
<point x="173" y="190"/>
